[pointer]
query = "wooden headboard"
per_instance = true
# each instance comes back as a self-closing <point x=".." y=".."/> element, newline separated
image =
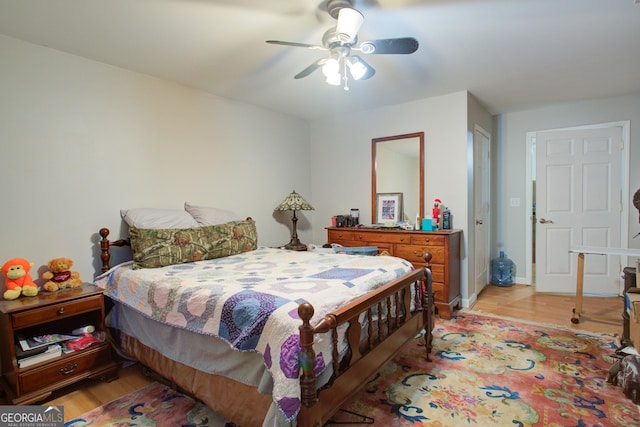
<point x="105" y="247"/>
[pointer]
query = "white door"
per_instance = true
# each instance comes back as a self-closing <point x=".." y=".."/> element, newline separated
<point x="578" y="203"/>
<point x="482" y="204"/>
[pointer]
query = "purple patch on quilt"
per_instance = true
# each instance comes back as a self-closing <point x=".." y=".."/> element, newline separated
<point x="291" y="359"/>
<point x="289" y="406"/>
<point x="342" y="274"/>
<point x="244" y="316"/>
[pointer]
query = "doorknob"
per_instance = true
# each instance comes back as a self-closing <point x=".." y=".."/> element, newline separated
<point x="479" y="222"/>
<point x="545" y="221"/>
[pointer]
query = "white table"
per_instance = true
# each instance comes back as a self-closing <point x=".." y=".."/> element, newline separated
<point x="581" y="251"/>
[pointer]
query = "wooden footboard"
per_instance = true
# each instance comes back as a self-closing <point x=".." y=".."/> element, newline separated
<point x="393" y="315"/>
<point x="390" y="325"/>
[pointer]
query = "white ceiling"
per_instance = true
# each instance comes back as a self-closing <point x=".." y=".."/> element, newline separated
<point x="511" y="54"/>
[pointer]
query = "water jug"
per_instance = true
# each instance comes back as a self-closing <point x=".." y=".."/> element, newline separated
<point x="502" y="271"/>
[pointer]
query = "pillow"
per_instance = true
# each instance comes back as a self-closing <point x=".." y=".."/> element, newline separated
<point x="161" y="247"/>
<point x="157" y="218"/>
<point x="210" y="216"/>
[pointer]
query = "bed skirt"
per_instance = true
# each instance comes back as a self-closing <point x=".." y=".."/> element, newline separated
<point x="237" y="402"/>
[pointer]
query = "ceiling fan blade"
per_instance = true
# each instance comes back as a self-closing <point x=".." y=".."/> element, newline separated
<point x="294" y="44"/>
<point x="404" y="45"/>
<point x="310" y="69"/>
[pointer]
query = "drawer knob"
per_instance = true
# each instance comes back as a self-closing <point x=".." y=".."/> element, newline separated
<point x="61" y="311"/>
<point x="66" y="370"/>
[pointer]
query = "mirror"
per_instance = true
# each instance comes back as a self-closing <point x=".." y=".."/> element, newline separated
<point x="398" y="169"/>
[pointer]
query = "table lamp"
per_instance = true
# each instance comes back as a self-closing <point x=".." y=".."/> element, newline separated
<point x="294" y="202"/>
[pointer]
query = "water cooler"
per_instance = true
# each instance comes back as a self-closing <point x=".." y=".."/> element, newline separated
<point x="503" y="271"/>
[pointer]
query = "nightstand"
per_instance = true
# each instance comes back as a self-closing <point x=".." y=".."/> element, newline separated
<point x="48" y="313"/>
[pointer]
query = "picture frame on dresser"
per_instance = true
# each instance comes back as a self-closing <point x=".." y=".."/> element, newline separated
<point x="388" y="207"/>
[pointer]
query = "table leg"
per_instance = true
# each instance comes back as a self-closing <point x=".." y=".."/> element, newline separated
<point x="579" y="284"/>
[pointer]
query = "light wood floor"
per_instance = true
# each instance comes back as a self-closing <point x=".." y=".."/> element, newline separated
<point x="518" y="301"/>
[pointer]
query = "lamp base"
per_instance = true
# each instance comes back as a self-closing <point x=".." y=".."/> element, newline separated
<point x="295" y="246"/>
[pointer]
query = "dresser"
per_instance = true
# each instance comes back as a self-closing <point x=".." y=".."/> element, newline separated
<point x="444" y="247"/>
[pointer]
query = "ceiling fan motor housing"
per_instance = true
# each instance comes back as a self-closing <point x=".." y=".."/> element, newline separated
<point x="334" y="6"/>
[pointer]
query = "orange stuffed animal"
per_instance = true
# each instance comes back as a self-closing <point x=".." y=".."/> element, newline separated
<point x="17" y="279"/>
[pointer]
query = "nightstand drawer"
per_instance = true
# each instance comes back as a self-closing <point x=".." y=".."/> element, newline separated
<point x="56" y="311"/>
<point x="65" y="369"/>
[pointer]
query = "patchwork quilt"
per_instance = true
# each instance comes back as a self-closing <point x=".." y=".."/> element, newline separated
<point x="250" y="300"/>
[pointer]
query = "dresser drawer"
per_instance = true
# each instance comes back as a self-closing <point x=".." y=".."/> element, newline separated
<point x="437" y="273"/>
<point x="415" y="253"/>
<point x="56" y="311"/>
<point x="335" y="235"/>
<point x="427" y="239"/>
<point x="438" y="292"/>
<point x="382" y="247"/>
<point x="73" y="365"/>
<point x="382" y="237"/>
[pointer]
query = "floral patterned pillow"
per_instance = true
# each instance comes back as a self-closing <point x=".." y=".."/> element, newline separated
<point x="154" y="248"/>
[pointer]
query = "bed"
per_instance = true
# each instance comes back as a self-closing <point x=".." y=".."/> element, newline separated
<point x="263" y="336"/>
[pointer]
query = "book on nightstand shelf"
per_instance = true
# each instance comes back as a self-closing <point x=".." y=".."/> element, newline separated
<point x="53" y="351"/>
<point x="31" y="343"/>
<point x="21" y="354"/>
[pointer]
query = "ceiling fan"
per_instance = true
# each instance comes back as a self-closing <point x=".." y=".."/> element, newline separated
<point x="340" y="41"/>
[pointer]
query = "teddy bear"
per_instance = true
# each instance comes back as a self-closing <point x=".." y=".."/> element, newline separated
<point x="18" y="279"/>
<point x="60" y="276"/>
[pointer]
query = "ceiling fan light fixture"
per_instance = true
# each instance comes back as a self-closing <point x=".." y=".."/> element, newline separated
<point x="331" y="70"/>
<point x="334" y="79"/>
<point x="331" y="66"/>
<point x="357" y="69"/>
<point x="349" y="22"/>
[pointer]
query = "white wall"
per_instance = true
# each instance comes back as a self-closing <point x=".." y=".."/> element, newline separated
<point x="511" y="222"/>
<point x="81" y="140"/>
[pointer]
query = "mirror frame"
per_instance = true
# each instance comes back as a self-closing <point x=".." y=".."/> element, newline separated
<point x="374" y="142"/>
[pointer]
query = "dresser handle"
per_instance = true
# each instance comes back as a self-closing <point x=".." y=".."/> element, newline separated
<point x="61" y="311"/>
<point x="66" y="370"/>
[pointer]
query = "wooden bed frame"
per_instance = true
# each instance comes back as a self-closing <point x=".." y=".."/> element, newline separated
<point x="385" y="337"/>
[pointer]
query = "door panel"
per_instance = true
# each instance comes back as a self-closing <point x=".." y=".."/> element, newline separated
<point x="578" y="204"/>
<point x="482" y="205"/>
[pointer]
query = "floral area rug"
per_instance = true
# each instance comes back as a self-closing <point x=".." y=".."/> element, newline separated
<point x="490" y="371"/>
<point x="154" y="405"/>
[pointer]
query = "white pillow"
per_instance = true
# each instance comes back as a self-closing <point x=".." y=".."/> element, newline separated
<point x="158" y="218"/>
<point x="210" y="216"/>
